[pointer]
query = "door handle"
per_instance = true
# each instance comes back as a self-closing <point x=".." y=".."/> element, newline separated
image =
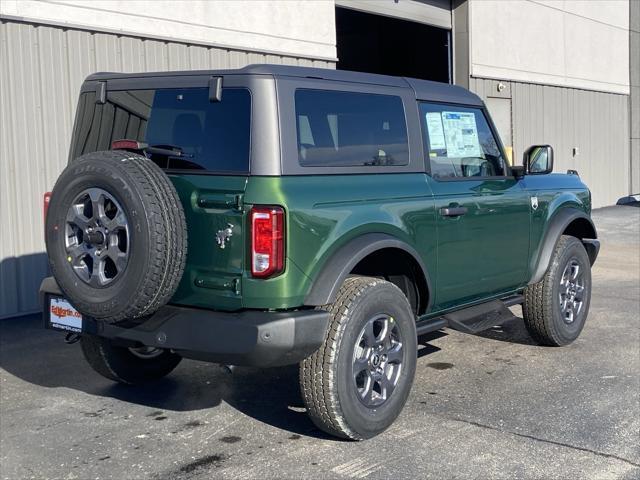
<point x="453" y="211"/>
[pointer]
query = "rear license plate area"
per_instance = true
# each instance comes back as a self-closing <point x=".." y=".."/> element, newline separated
<point x="62" y="316"/>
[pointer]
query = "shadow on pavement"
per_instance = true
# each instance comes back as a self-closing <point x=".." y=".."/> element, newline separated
<point x="511" y="331"/>
<point x="41" y="357"/>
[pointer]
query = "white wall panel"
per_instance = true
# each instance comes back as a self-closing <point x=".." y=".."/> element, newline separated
<point x="290" y="27"/>
<point x="558" y="42"/>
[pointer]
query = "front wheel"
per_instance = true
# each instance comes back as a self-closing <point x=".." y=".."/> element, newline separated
<point x="556" y="308"/>
<point x="356" y="384"/>
<point x="129" y="365"/>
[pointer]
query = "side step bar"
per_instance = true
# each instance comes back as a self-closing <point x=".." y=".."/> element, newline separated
<point x="472" y="319"/>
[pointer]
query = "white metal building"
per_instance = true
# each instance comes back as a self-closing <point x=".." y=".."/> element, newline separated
<point x="563" y="72"/>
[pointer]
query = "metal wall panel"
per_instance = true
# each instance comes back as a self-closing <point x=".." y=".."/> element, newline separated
<point x="41" y="70"/>
<point x="595" y="123"/>
<point x="634" y="99"/>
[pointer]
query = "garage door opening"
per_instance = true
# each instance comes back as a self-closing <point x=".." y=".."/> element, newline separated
<point x="378" y="44"/>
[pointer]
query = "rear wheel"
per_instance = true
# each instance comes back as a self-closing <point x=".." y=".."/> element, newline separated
<point x="357" y="382"/>
<point x="556" y="308"/>
<point x="130" y="365"/>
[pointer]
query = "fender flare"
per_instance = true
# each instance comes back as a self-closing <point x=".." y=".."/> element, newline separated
<point x="338" y="266"/>
<point x="557" y="226"/>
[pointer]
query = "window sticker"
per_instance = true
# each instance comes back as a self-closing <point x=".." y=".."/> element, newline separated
<point x="461" y="135"/>
<point x="436" y="132"/>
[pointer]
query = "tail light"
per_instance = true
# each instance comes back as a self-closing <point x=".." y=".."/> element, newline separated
<point x="126" y="144"/>
<point x="267" y="241"/>
<point x="45" y="205"/>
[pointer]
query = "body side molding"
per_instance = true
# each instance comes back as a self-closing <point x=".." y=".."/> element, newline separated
<point x="340" y="263"/>
<point x="557" y="225"/>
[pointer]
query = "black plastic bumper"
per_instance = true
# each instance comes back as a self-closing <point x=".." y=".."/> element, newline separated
<point x="256" y="338"/>
<point x="592" y="246"/>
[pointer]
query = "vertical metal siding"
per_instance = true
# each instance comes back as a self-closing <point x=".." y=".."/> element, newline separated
<point x="597" y="123"/>
<point x="41" y="70"/>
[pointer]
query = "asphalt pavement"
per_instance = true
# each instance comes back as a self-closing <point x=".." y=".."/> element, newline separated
<point x="493" y="405"/>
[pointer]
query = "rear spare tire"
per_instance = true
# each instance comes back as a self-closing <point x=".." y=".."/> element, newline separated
<point x="116" y="235"/>
<point x="128" y="365"/>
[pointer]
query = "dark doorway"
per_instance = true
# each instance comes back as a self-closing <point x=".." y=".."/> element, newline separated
<point x="379" y="44"/>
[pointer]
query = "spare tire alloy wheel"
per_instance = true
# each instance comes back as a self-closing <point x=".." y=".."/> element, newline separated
<point x="97" y="237"/>
<point x="116" y="236"/>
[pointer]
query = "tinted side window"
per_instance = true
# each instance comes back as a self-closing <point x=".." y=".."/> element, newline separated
<point x="460" y="142"/>
<point x="350" y="129"/>
<point x="212" y="136"/>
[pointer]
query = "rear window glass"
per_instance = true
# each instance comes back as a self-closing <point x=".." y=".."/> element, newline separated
<point x="342" y="129"/>
<point x="211" y="136"/>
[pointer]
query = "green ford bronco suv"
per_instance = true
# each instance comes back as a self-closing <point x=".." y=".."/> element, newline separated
<point x="276" y="215"/>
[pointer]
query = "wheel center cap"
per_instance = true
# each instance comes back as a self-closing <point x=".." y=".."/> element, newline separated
<point x="375" y="360"/>
<point x="95" y="237"/>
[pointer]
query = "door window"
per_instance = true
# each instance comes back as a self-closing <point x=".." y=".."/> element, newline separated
<point x="460" y="142"/>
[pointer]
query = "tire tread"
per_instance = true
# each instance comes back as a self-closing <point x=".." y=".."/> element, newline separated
<point x="538" y="305"/>
<point x="167" y="253"/>
<point x="317" y="382"/>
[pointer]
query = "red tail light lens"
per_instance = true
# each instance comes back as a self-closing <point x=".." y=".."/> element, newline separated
<point x="126" y="144"/>
<point x="267" y="241"/>
<point x="45" y="205"/>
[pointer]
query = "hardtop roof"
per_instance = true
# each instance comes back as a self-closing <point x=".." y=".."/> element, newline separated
<point x="424" y="89"/>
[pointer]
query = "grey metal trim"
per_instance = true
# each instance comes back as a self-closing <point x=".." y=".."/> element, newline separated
<point x="557" y="226"/>
<point x="337" y="268"/>
<point x="265" y="137"/>
<point x="92" y="28"/>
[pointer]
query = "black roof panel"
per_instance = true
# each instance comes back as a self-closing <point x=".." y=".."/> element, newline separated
<point x="424" y="89"/>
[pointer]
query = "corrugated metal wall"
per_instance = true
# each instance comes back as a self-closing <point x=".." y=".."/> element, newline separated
<point x="634" y="98"/>
<point x="596" y="123"/>
<point x="42" y="68"/>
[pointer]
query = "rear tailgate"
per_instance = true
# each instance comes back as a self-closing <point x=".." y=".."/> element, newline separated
<point x="203" y="145"/>
<point x="215" y="221"/>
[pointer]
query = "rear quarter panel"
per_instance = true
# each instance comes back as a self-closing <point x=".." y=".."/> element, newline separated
<point x="324" y="212"/>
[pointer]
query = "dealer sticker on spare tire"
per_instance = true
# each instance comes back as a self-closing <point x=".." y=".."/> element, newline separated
<point x="63" y="316"/>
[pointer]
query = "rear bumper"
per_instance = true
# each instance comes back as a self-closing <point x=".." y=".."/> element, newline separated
<point x="251" y="338"/>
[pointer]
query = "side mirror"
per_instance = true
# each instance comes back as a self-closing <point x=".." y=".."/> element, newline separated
<point x="538" y="160"/>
